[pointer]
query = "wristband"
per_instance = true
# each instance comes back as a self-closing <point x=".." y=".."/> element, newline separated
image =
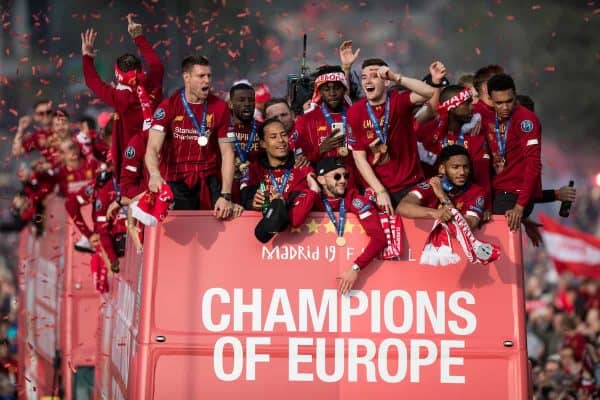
<point x="226" y="196"/>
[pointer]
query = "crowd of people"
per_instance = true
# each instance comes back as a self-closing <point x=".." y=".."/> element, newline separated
<point x="368" y="140"/>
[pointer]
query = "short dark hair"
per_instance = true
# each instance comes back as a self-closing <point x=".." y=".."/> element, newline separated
<point x="90" y="121"/>
<point x="451" y="151"/>
<point x="40" y="102"/>
<point x="239" y="86"/>
<point x="449" y="91"/>
<point x="61" y="112"/>
<point x="369" y="62"/>
<point x="526" y="102"/>
<point x="268" y="121"/>
<point x="327" y="69"/>
<point x="188" y="63"/>
<point x="500" y="83"/>
<point x="128" y="62"/>
<point x="276" y="100"/>
<point x="484" y="74"/>
<point x="467" y="79"/>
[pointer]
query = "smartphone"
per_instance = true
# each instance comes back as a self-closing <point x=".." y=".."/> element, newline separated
<point x="340" y="126"/>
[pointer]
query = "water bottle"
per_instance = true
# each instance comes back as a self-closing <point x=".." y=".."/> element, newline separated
<point x="565" y="206"/>
<point x="267" y="202"/>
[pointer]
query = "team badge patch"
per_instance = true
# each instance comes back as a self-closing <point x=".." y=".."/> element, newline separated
<point x="357" y="203"/>
<point x="98" y="204"/>
<point x="159" y="113"/>
<point x="89" y="190"/>
<point x="129" y="152"/>
<point x="423" y="185"/>
<point x="480" y="202"/>
<point x="526" y="125"/>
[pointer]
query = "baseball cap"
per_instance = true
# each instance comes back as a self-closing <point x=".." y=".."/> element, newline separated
<point x="327" y="164"/>
<point x="275" y="220"/>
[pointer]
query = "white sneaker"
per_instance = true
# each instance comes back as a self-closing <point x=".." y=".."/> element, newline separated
<point x="84" y="245"/>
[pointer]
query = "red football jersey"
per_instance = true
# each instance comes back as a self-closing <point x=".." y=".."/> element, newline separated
<point x="469" y="200"/>
<point x="182" y="156"/>
<point x="134" y="175"/>
<point x="44" y="142"/>
<point x="522" y="172"/>
<point x="400" y="167"/>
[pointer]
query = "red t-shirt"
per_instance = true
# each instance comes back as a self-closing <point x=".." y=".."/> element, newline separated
<point x="71" y="180"/>
<point x="313" y="129"/>
<point x="43" y="141"/>
<point x="470" y="200"/>
<point x="134" y="176"/>
<point x="368" y="216"/>
<point x="400" y="167"/>
<point x="487" y="112"/>
<point x="522" y="173"/>
<point x="182" y="156"/>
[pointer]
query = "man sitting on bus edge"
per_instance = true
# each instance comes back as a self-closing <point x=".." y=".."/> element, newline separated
<point x="335" y="195"/>
<point x="451" y="197"/>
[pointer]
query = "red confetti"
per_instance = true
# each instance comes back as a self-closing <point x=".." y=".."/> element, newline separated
<point x="477" y="51"/>
<point x="13" y="111"/>
<point x="550" y="68"/>
<point x="536" y="7"/>
<point x="510" y="17"/>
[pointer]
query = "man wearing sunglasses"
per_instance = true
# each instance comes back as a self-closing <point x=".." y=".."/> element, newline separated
<point x="335" y="195"/>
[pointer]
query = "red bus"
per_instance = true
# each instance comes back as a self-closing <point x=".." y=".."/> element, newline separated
<point x="58" y="312"/>
<point x="208" y="312"/>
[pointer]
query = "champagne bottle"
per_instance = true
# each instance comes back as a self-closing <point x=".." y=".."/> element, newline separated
<point x="565" y="206"/>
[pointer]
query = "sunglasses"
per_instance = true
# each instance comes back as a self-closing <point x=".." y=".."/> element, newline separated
<point x="338" y="176"/>
<point x="47" y="112"/>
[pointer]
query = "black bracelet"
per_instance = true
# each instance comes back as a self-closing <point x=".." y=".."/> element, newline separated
<point x="226" y="196"/>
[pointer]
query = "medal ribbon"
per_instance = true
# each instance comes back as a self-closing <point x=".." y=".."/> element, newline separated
<point x="382" y="133"/>
<point x="499" y="139"/>
<point x="286" y="177"/>
<point x="243" y="153"/>
<point x="460" y="140"/>
<point x="339" y="225"/>
<point x="201" y="129"/>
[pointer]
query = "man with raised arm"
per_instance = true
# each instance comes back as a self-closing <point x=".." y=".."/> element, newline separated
<point x="136" y="93"/>
<point x="188" y="132"/>
<point x="383" y="141"/>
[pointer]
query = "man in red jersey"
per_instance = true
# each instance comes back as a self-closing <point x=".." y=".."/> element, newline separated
<point x="136" y="93"/>
<point x="333" y="178"/>
<point x="42" y="120"/>
<point x="383" y="141"/>
<point x="274" y="182"/>
<point x="515" y="143"/>
<point x="319" y="129"/>
<point x="484" y="104"/>
<point x="457" y="124"/>
<point x="190" y="129"/>
<point x="433" y="198"/>
<point x="243" y="128"/>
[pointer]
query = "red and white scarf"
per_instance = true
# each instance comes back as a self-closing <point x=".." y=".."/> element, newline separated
<point x="438" y="247"/>
<point x="135" y="80"/>
<point x="330" y="77"/>
<point x="99" y="271"/>
<point x="392" y="227"/>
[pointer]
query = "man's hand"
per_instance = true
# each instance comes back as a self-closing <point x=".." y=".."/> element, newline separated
<point x="565" y="193"/>
<point x="443" y="214"/>
<point x="532" y="229"/>
<point x="437" y="71"/>
<point x="300" y="161"/>
<point x="385" y="202"/>
<point x="347" y="56"/>
<point x="436" y="185"/>
<point x="223" y="208"/>
<point x="514" y="217"/>
<point x="25" y="121"/>
<point x="258" y="200"/>
<point x="331" y="142"/>
<point x="312" y="183"/>
<point x="87" y="43"/>
<point x="134" y="29"/>
<point x="114" y="206"/>
<point x="487" y="216"/>
<point x="346" y="280"/>
<point x="237" y="211"/>
<point x="155" y="183"/>
<point x="387" y="74"/>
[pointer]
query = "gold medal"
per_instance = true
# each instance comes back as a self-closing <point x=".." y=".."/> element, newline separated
<point x="340" y="241"/>
<point x="499" y="162"/>
<point x="343" y="151"/>
<point x="383" y="148"/>
<point x="203" y="141"/>
<point x="244" y="166"/>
